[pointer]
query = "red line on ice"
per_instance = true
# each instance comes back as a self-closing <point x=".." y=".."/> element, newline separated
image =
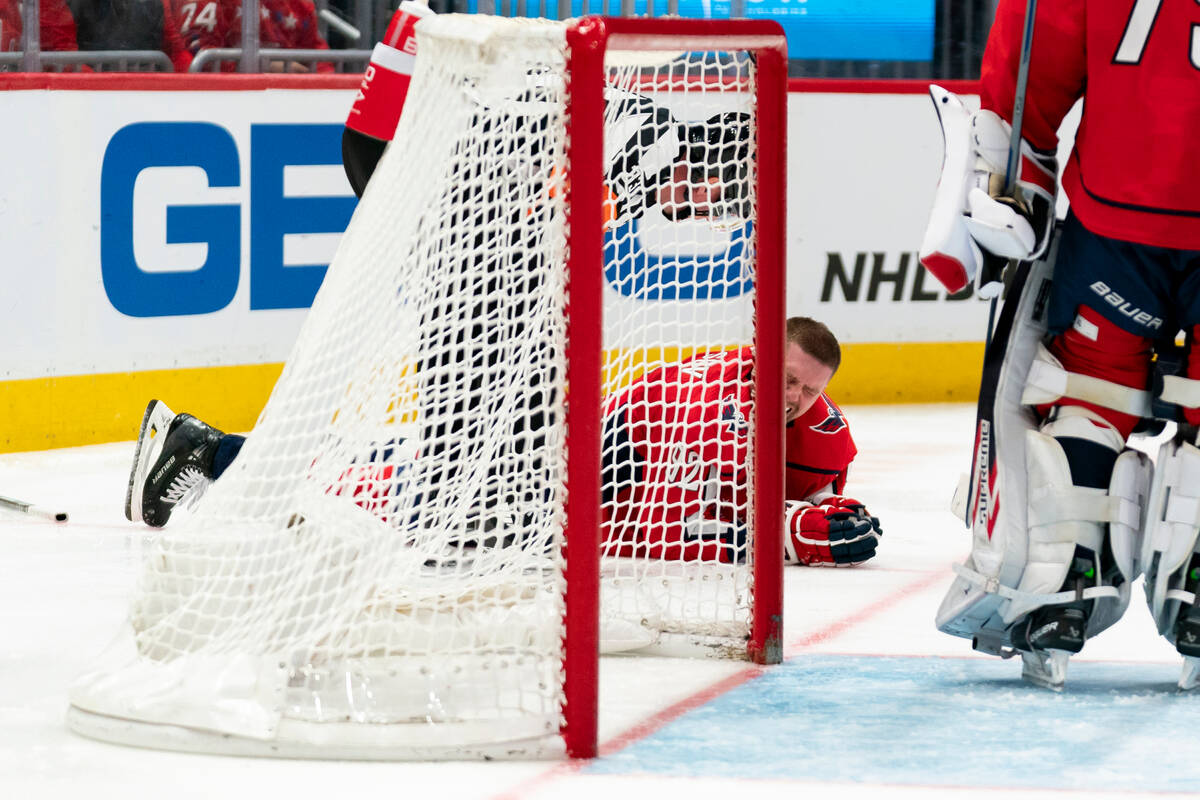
<point x="838" y="627"/>
<point x="672" y="712"/>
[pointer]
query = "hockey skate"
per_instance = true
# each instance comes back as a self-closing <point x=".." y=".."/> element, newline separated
<point x="1046" y="640"/>
<point x="1187" y="642"/>
<point x="172" y="464"/>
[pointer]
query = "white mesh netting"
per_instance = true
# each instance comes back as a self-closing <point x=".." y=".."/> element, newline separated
<point x="679" y="335"/>
<point x="380" y="572"/>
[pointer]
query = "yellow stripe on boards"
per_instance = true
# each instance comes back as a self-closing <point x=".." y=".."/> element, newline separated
<point x="71" y="410"/>
<point x="908" y="372"/>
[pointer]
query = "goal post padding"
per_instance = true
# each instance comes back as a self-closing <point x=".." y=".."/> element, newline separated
<point x="404" y="560"/>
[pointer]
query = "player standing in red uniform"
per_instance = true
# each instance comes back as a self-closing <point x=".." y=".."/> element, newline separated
<point x="1126" y="279"/>
<point x="675" y="453"/>
<point x="288" y="24"/>
<point x="57" y="26"/>
<point x="207" y="23"/>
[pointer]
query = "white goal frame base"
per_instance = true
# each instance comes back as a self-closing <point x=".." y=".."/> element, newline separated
<point x="343" y="741"/>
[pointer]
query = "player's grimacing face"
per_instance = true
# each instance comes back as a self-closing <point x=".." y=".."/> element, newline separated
<point x="804" y="379"/>
<point x="683" y="197"/>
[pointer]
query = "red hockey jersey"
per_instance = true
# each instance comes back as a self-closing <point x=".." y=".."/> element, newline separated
<point x="688" y="427"/>
<point x="218" y="23"/>
<point x="211" y="23"/>
<point x="688" y="424"/>
<point x="1133" y="172"/>
<point x="819" y="450"/>
<point x="57" y="26"/>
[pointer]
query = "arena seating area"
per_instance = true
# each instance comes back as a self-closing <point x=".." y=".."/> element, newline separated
<point x="331" y="36"/>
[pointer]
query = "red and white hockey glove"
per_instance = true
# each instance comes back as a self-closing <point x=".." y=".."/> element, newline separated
<point x="839" y="501"/>
<point x="829" y="534"/>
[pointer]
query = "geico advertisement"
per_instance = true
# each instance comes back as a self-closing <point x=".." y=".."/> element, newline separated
<point x="152" y="230"/>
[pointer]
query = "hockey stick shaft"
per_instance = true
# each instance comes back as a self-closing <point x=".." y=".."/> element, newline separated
<point x="21" y="507"/>
<point x="995" y="265"/>
<point x="1012" y="169"/>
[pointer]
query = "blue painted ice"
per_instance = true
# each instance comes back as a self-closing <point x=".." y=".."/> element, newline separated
<point x="936" y="721"/>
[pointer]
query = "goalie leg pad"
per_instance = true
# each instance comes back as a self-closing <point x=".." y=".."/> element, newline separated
<point x="1084" y="541"/>
<point x="992" y="502"/>
<point x="1034" y="523"/>
<point x="1173" y="522"/>
<point x="1082" y="552"/>
<point x="1059" y="516"/>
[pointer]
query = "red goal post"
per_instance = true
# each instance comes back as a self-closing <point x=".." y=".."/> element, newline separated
<point x="588" y="40"/>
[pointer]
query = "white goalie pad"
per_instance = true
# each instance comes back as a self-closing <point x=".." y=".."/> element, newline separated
<point x="1060" y="516"/>
<point x="993" y="502"/>
<point x="1025" y="515"/>
<point x="1173" y="520"/>
<point x="1048" y="382"/>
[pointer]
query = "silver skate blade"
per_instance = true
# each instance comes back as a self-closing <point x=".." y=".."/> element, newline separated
<point x="155" y="422"/>
<point x="1045" y="668"/>
<point x="1190" y="676"/>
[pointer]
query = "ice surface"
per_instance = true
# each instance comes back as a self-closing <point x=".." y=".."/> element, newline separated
<point x="872" y="701"/>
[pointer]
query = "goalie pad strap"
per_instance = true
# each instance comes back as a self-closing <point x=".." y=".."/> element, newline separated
<point x="993" y="586"/>
<point x="1181" y="391"/>
<point x="1072" y="505"/>
<point x="1183" y="509"/>
<point x="1182" y="474"/>
<point x="1182" y="596"/>
<point x="1048" y="382"/>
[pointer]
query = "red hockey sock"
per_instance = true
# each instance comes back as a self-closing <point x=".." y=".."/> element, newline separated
<point x="1095" y="347"/>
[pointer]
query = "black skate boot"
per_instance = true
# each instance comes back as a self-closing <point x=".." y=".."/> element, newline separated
<point x="173" y="462"/>
<point x="1187" y="624"/>
<point x="1052" y="628"/>
<point x="1047" y="637"/>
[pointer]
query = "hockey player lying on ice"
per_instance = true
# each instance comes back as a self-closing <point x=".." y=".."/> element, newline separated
<point x="693" y="412"/>
<point x="1064" y="516"/>
<point x="675" y="445"/>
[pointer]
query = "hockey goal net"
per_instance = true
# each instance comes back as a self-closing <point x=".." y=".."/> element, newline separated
<point x="405" y="558"/>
